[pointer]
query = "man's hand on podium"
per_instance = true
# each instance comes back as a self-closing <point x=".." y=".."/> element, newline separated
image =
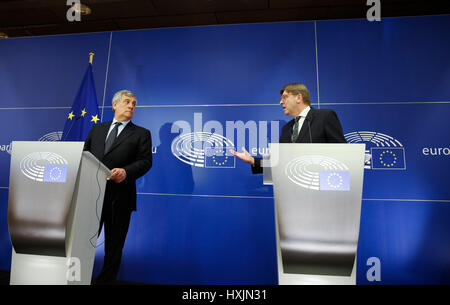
<point x="118" y="175"/>
<point x="244" y="156"/>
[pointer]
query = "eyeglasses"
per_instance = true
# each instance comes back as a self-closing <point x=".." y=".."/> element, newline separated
<point x="285" y="96"/>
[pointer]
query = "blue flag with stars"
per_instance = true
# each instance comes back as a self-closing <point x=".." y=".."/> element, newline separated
<point x="219" y="157"/>
<point x="388" y="158"/>
<point x="84" y="112"/>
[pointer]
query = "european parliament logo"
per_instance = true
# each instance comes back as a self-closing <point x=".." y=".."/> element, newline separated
<point x="382" y="151"/>
<point x="320" y="173"/>
<point x="219" y="157"/>
<point x="44" y="167"/>
<point x="204" y="149"/>
<point x="55" y="173"/>
<point x="388" y="158"/>
<point x="54" y="136"/>
<point x="334" y="180"/>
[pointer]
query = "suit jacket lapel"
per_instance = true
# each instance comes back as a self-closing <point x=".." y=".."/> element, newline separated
<point x="104" y="133"/>
<point x="288" y="127"/>
<point x="304" y="131"/>
<point x="122" y="136"/>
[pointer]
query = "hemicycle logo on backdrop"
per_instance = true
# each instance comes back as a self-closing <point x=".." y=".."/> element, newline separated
<point x="49" y="137"/>
<point x="382" y="151"/>
<point x="205" y="145"/>
<point x="204" y="149"/>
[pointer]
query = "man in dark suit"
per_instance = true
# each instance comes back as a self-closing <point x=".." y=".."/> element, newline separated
<point x="308" y="126"/>
<point x="126" y="149"/>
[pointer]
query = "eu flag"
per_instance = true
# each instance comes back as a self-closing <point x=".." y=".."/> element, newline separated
<point x="334" y="180"/>
<point x="84" y="112"/>
<point x="219" y="157"/>
<point x="388" y="158"/>
<point x="55" y="173"/>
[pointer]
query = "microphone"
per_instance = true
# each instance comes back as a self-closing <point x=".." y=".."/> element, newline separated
<point x="73" y="122"/>
<point x="309" y="129"/>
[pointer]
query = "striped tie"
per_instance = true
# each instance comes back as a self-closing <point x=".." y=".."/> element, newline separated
<point x="295" y="132"/>
<point x="111" y="137"/>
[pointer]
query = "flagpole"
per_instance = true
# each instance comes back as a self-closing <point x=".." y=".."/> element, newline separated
<point x="91" y="57"/>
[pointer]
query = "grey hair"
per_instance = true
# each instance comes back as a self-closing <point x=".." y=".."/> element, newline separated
<point x="118" y="95"/>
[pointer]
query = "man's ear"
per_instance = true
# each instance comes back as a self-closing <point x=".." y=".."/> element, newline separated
<point x="299" y="98"/>
<point x="114" y="107"/>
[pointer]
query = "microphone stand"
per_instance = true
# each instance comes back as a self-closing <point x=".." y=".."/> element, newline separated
<point x="68" y="132"/>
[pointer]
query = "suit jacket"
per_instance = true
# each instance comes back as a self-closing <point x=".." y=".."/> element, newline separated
<point x="325" y="128"/>
<point x="132" y="151"/>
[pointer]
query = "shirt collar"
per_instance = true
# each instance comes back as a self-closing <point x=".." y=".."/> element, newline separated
<point x="124" y="123"/>
<point x="304" y="113"/>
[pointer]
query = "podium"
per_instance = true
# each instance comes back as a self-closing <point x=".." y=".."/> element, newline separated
<point x="318" y="192"/>
<point x="55" y="202"/>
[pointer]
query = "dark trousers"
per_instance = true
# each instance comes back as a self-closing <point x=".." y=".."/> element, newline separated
<point x="116" y="221"/>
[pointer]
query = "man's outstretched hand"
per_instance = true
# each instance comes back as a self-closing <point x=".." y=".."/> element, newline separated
<point x="244" y="156"/>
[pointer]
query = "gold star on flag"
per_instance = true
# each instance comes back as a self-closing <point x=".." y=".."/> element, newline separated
<point x="71" y="115"/>
<point x="83" y="112"/>
<point x="95" y="118"/>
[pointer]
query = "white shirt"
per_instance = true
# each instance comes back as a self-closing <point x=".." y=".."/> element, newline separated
<point x="119" y="130"/>
<point x="302" y="116"/>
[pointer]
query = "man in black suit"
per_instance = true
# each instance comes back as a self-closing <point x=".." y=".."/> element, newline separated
<point x="308" y="126"/>
<point x="126" y="149"/>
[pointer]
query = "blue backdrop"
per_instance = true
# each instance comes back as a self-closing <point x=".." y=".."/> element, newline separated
<point x="197" y="225"/>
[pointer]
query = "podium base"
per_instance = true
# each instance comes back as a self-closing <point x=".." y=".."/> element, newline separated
<point x="313" y="279"/>
<point x="28" y="269"/>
